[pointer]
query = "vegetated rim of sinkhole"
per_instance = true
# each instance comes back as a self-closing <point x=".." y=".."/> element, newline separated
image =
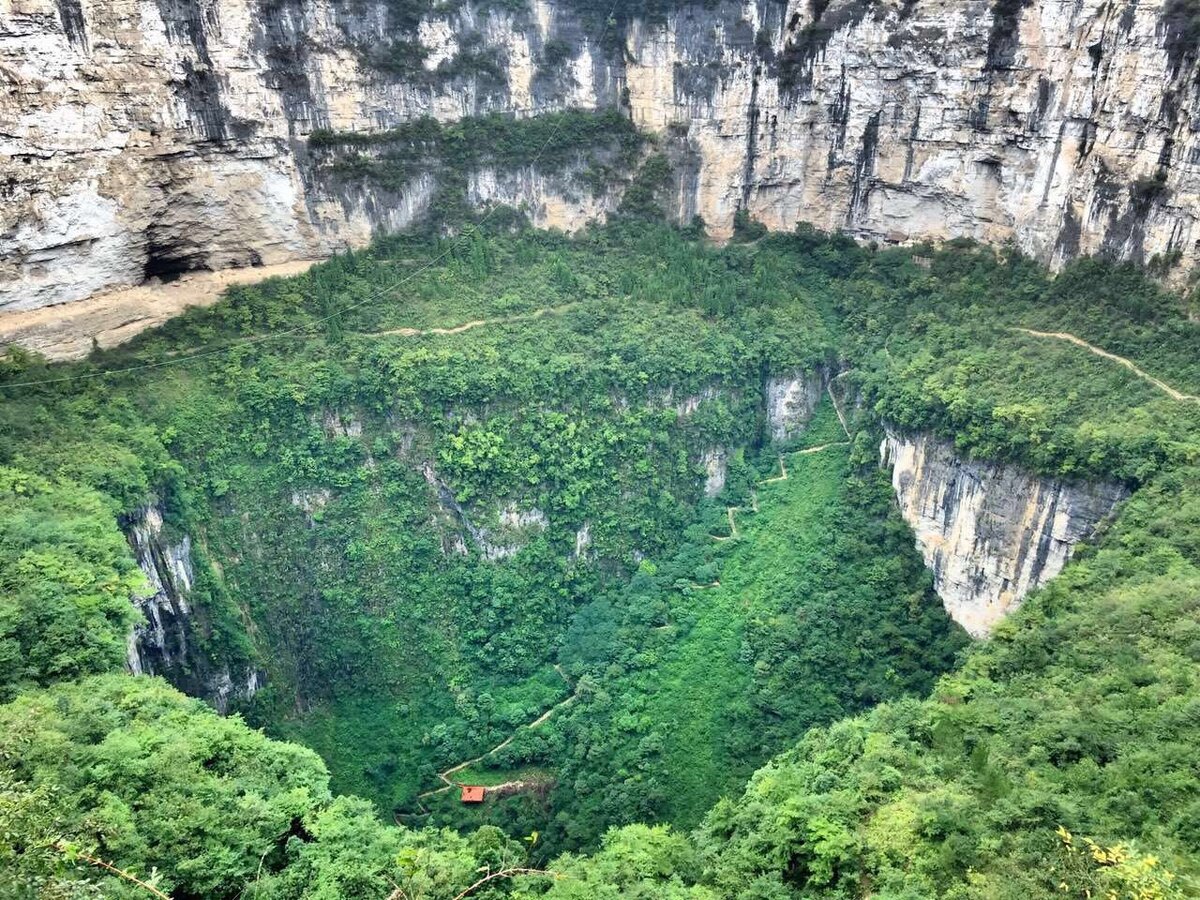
<point x="434" y="520"/>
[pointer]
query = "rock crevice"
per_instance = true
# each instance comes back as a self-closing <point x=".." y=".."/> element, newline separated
<point x="168" y="642"/>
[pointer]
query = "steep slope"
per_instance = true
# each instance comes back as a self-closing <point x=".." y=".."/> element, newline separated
<point x="687" y="679"/>
<point x="406" y="523"/>
<point x="373" y="537"/>
<point x="154" y="138"/>
<point x="1077" y="716"/>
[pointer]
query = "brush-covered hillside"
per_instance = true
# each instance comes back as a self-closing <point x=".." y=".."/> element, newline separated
<point x="599" y="523"/>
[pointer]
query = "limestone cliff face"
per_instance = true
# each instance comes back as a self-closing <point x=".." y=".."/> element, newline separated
<point x="145" y="138"/>
<point x="1062" y="125"/>
<point x="167" y="643"/>
<point x="791" y="400"/>
<point x="715" y="462"/>
<point x="989" y="533"/>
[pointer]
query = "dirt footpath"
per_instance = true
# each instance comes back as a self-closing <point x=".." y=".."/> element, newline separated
<point x="66" y="331"/>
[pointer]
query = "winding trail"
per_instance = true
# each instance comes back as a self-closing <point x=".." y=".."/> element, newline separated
<point x="474" y="323"/>
<point x="821" y="447"/>
<point x="733" y="529"/>
<point x="540" y="720"/>
<point x="1129" y="364"/>
<point x="731" y="510"/>
<point x="781" y="477"/>
<point x="837" y="409"/>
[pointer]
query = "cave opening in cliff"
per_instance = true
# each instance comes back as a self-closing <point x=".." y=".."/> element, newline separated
<point x="167" y="260"/>
<point x="684" y="452"/>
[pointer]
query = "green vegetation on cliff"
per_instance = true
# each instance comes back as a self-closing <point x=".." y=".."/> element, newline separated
<point x="66" y="576"/>
<point x="592" y="151"/>
<point x="1079" y="713"/>
<point x="408" y="504"/>
<point x="689" y="675"/>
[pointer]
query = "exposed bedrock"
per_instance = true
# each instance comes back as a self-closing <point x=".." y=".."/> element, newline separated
<point x="791" y="400"/>
<point x="989" y="533"/>
<point x="172" y="640"/>
<point x="146" y="138"/>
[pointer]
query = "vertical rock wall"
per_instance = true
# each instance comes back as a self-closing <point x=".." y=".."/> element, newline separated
<point x="989" y="533"/>
<point x="1066" y="126"/>
<point x="163" y="640"/>
<point x="144" y="138"/>
<point x="791" y="400"/>
<point x="167" y="643"/>
<point x="715" y="461"/>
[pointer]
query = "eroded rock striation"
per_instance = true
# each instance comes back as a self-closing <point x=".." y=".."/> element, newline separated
<point x="791" y="401"/>
<point x="169" y="641"/>
<point x="145" y="138"/>
<point x="990" y="533"/>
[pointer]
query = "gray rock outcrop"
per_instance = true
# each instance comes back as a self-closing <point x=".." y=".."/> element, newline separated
<point x="989" y="533"/>
<point x="167" y="643"/>
<point x="791" y="401"/>
<point x="154" y="137"/>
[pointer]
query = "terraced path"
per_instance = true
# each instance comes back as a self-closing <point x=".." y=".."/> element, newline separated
<point x="1129" y="364"/>
<point x="544" y="717"/>
<point x="783" y="476"/>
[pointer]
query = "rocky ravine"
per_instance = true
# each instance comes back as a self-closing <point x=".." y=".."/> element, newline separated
<point x="989" y="533"/>
<point x="144" y="138"/>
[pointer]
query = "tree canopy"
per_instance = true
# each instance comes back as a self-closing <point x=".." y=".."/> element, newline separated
<point x="432" y="518"/>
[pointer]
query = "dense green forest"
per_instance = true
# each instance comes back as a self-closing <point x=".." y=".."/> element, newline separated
<point x="689" y="671"/>
<point x="593" y="151"/>
<point x="446" y="488"/>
